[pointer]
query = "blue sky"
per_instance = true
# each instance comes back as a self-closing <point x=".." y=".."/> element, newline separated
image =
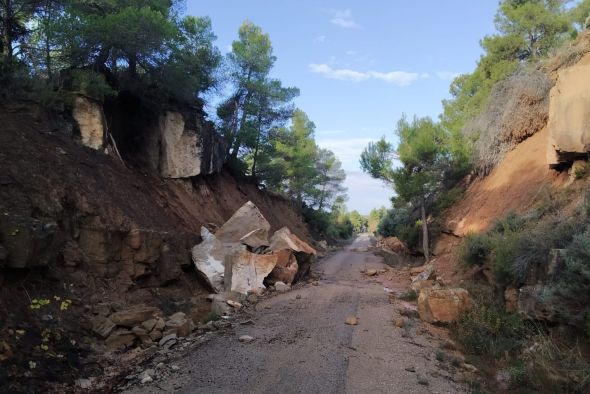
<point x="361" y="64"/>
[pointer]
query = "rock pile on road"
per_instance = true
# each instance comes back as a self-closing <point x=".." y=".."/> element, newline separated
<point x="240" y="258"/>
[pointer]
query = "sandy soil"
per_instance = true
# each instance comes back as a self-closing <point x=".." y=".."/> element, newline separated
<point x="302" y="344"/>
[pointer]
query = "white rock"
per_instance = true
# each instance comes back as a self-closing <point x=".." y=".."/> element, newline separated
<point x="245" y="271"/>
<point x="247" y="224"/>
<point x="180" y="149"/>
<point x="246" y="339"/>
<point x="91" y="122"/>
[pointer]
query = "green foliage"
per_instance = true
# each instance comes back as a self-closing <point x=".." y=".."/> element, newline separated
<point x="490" y="331"/>
<point x="399" y="222"/>
<point x="572" y="289"/>
<point x="410" y="295"/>
<point x="475" y="249"/>
<point x="91" y="84"/>
<point x="359" y="222"/>
<point x="375" y="217"/>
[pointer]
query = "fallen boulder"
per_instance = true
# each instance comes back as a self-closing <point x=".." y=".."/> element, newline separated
<point x="284" y="239"/>
<point x="443" y="305"/>
<point x="120" y="339"/>
<point x="209" y="256"/>
<point x="245" y="271"/>
<point x="286" y="268"/>
<point x="246" y="223"/>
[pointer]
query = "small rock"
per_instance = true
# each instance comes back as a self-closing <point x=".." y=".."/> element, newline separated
<point x="298" y="296"/>
<point x="252" y="298"/>
<point x="102" y="326"/>
<point x="149" y="324"/>
<point x="469" y="368"/>
<point x="422" y="380"/>
<point x="410" y="369"/>
<point x="315" y="283"/>
<point x="282" y="287"/>
<point x="352" y="321"/>
<point x="168" y="341"/>
<point x="234" y="304"/>
<point x="160" y="365"/>
<point x="246" y="339"/>
<point x="371" y="272"/>
<point x="399" y="322"/>
<point x="174" y="367"/>
<point x="84" y="383"/>
<point x="409" y="312"/>
<point x="146" y="379"/>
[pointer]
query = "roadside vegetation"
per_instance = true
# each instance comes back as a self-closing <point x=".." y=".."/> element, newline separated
<point x="53" y="50"/>
<point x="543" y="345"/>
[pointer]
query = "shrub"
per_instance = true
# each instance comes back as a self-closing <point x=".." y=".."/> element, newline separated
<point x="490" y="331"/>
<point x="410" y="295"/>
<point x="572" y="290"/>
<point x="475" y="249"/>
<point x="91" y="84"/>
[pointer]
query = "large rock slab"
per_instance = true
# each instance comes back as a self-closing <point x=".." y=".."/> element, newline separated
<point x="180" y="148"/>
<point x="91" y="121"/>
<point x="209" y="257"/>
<point x="443" y="305"/>
<point x="569" y="115"/>
<point x="285" y="239"/>
<point x="245" y="271"/>
<point x="246" y="223"/>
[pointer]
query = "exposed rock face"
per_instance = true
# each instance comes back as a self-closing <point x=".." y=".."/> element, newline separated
<point x="443" y="305"/>
<point x="180" y="150"/>
<point x="91" y="122"/>
<point x="245" y="271"/>
<point x="246" y="223"/>
<point x="569" y="114"/>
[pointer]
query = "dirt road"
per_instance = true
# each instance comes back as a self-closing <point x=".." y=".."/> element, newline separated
<point x="302" y="344"/>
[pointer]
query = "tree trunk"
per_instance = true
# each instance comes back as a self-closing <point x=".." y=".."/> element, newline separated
<point x="7" y="32"/>
<point x="257" y="146"/>
<point x="425" y="240"/>
<point x="133" y="64"/>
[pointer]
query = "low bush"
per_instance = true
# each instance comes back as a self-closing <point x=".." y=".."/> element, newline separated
<point x="475" y="249"/>
<point x="410" y="295"/>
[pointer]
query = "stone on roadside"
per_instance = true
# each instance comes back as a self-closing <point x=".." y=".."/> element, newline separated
<point x="234" y="304"/>
<point x="443" y="305"/>
<point x="399" y="322"/>
<point x="149" y="324"/>
<point x="168" y="341"/>
<point x="282" y="287"/>
<point x="246" y="339"/>
<point x="409" y="312"/>
<point x="120" y="339"/>
<point x="352" y="321"/>
<point x="371" y="272"/>
<point x="130" y="317"/>
<point x="180" y="324"/>
<point x="102" y="326"/>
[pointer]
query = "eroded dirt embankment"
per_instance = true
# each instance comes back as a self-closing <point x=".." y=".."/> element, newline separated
<point x="76" y="224"/>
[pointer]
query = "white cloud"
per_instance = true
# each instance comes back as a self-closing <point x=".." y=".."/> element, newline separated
<point x="320" y="39"/>
<point x="343" y="18"/>
<point x="365" y="193"/>
<point x="399" y="78"/>
<point x="342" y="74"/>
<point x="447" y="75"/>
<point x="347" y="150"/>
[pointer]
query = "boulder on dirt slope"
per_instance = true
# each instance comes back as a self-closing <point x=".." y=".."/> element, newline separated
<point x="243" y="222"/>
<point x="569" y="115"/>
<point x="286" y="268"/>
<point x="443" y="305"/>
<point x="245" y="271"/>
